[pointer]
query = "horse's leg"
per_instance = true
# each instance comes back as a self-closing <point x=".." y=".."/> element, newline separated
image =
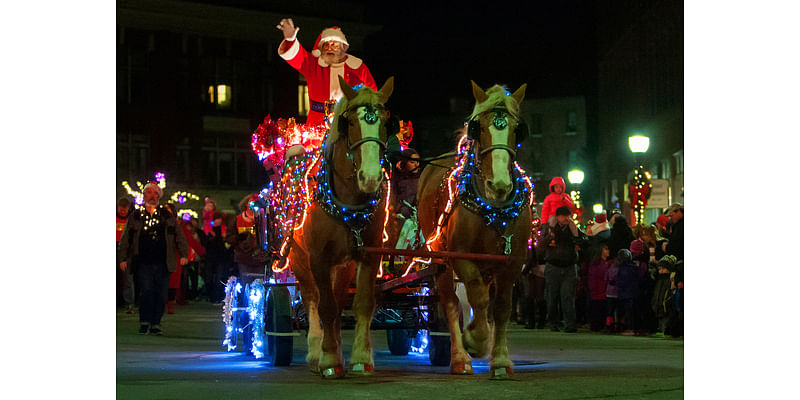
<point x="460" y="361"/>
<point x="476" y="336"/>
<point x="331" y="362"/>
<point x="342" y="275"/>
<point x="500" y="365"/>
<point x="361" y="360"/>
<point x="310" y="295"/>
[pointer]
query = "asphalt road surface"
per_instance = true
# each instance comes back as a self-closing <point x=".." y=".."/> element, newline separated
<point x="189" y="362"/>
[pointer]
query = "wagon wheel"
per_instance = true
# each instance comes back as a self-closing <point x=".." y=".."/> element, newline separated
<point x="278" y="320"/>
<point x="399" y="340"/>
<point x="244" y="319"/>
<point x="439" y="345"/>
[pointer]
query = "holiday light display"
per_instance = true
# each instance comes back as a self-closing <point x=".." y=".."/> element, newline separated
<point x="255" y="310"/>
<point x="179" y="197"/>
<point x="460" y="187"/>
<point x="639" y="192"/>
<point x="230" y="306"/>
<point x="271" y="138"/>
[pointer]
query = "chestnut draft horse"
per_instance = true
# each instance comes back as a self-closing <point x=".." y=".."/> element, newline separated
<point x="481" y="204"/>
<point x="348" y="212"/>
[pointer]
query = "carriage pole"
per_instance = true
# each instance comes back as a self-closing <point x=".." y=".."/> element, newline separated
<point x="437" y="254"/>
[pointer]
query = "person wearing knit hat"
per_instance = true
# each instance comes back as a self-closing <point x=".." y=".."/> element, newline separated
<point x="662" y="302"/>
<point x="148" y="246"/>
<point x="322" y="66"/>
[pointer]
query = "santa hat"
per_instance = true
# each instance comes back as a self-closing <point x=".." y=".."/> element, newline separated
<point x="154" y="184"/>
<point x="600" y="218"/>
<point x="332" y="33"/>
<point x="662" y="220"/>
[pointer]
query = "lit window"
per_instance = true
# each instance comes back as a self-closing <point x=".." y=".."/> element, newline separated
<point x="303" y="104"/>
<point x="220" y="95"/>
<point x="224" y="96"/>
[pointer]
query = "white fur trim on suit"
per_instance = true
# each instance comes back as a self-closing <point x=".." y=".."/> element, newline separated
<point x="350" y="61"/>
<point x="292" y="52"/>
<point x="335" y="89"/>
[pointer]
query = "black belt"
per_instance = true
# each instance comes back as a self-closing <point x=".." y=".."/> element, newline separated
<point x="317" y="106"/>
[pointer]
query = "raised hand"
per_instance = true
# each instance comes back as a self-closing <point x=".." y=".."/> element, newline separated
<point x="287" y="27"/>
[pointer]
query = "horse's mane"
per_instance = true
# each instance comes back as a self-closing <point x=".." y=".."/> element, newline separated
<point x="366" y="95"/>
<point x="498" y="95"/>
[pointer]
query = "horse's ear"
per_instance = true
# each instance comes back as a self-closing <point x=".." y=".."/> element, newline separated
<point x="386" y="90"/>
<point x="480" y="95"/>
<point x="520" y="93"/>
<point x="347" y="89"/>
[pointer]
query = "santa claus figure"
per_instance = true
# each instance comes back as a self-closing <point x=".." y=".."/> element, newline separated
<point x="321" y="67"/>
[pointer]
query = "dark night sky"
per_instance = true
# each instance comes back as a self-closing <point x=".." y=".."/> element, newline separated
<point x="433" y="48"/>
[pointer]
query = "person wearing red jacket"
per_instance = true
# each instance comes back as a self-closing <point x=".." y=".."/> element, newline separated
<point x="173" y="292"/>
<point x="124" y="278"/>
<point x="322" y="66"/>
<point x="556" y="199"/>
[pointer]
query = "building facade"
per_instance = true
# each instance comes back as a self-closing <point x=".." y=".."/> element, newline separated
<point x="193" y="82"/>
<point x="640" y="91"/>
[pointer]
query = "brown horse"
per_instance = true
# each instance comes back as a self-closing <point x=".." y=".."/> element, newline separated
<point x="483" y="186"/>
<point x="347" y="214"/>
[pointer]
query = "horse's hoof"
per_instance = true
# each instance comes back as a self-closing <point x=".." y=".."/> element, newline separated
<point x="333" y="373"/>
<point x="462" y="369"/>
<point x="502" y="373"/>
<point x="361" y="369"/>
<point x="313" y="366"/>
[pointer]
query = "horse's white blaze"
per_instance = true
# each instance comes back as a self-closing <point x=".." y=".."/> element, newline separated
<point x="500" y="173"/>
<point x="370" y="151"/>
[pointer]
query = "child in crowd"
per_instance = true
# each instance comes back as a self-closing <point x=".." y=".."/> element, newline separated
<point x="662" y="302"/>
<point x="627" y="288"/>
<point x="612" y="296"/>
<point x="596" y="277"/>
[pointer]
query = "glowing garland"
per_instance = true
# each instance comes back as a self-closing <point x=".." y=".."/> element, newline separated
<point x="179" y="197"/>
<point x="460" y="177"/>
<point x="639" y="193"/>
<point x="271" y="138"/>
<point x="230" y="305"/>
<point x="496" y="217"/>
<point x="255" y="310"/>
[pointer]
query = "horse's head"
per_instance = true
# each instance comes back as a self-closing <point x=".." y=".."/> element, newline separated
<point x="361" y="119"/>
<point x="497" y="128"/>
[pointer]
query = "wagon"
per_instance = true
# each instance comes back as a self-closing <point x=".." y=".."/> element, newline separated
<point x="264" y="312"/>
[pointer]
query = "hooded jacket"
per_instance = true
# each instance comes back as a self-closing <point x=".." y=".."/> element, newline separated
<point x="555" y="200"/>
<point x="627" y="276"/>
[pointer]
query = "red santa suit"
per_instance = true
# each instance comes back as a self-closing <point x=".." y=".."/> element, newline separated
<point x="322" y="78"/>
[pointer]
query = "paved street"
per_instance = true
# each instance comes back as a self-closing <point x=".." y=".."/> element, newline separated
<point x="188" y="362"/>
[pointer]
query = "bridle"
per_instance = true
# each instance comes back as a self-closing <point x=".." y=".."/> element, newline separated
<point x="500" y="123"/>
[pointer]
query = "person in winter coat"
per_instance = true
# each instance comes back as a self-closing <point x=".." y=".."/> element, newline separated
<point x="218" y="259"/>
<point x="173" y="292"/>
<point x="596" y="280"/>
<point x="621" y="235"/>
<point x="612" y="297"/>
<point x="242" y="239"/>
<point x="643" y="318"/>
<point x="124" y="278"/>
<point x="628" y="286"/>
<point x="561" y="237"/>
<point x="662" y="302"/>
<point x="148" y="245"/>
<point x="557" y="198"/>
<point x="675" y="245"/>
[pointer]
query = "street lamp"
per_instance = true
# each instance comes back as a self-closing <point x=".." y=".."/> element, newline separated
<point x="638" y="143"/>
<point x="597" y="208"/>
<point x="575" y="177"/>
<point x="641" y="187"/>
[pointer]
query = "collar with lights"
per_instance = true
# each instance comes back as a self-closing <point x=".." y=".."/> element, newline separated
<point x="356" y="217"/>
<point x="496" y="217"/>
